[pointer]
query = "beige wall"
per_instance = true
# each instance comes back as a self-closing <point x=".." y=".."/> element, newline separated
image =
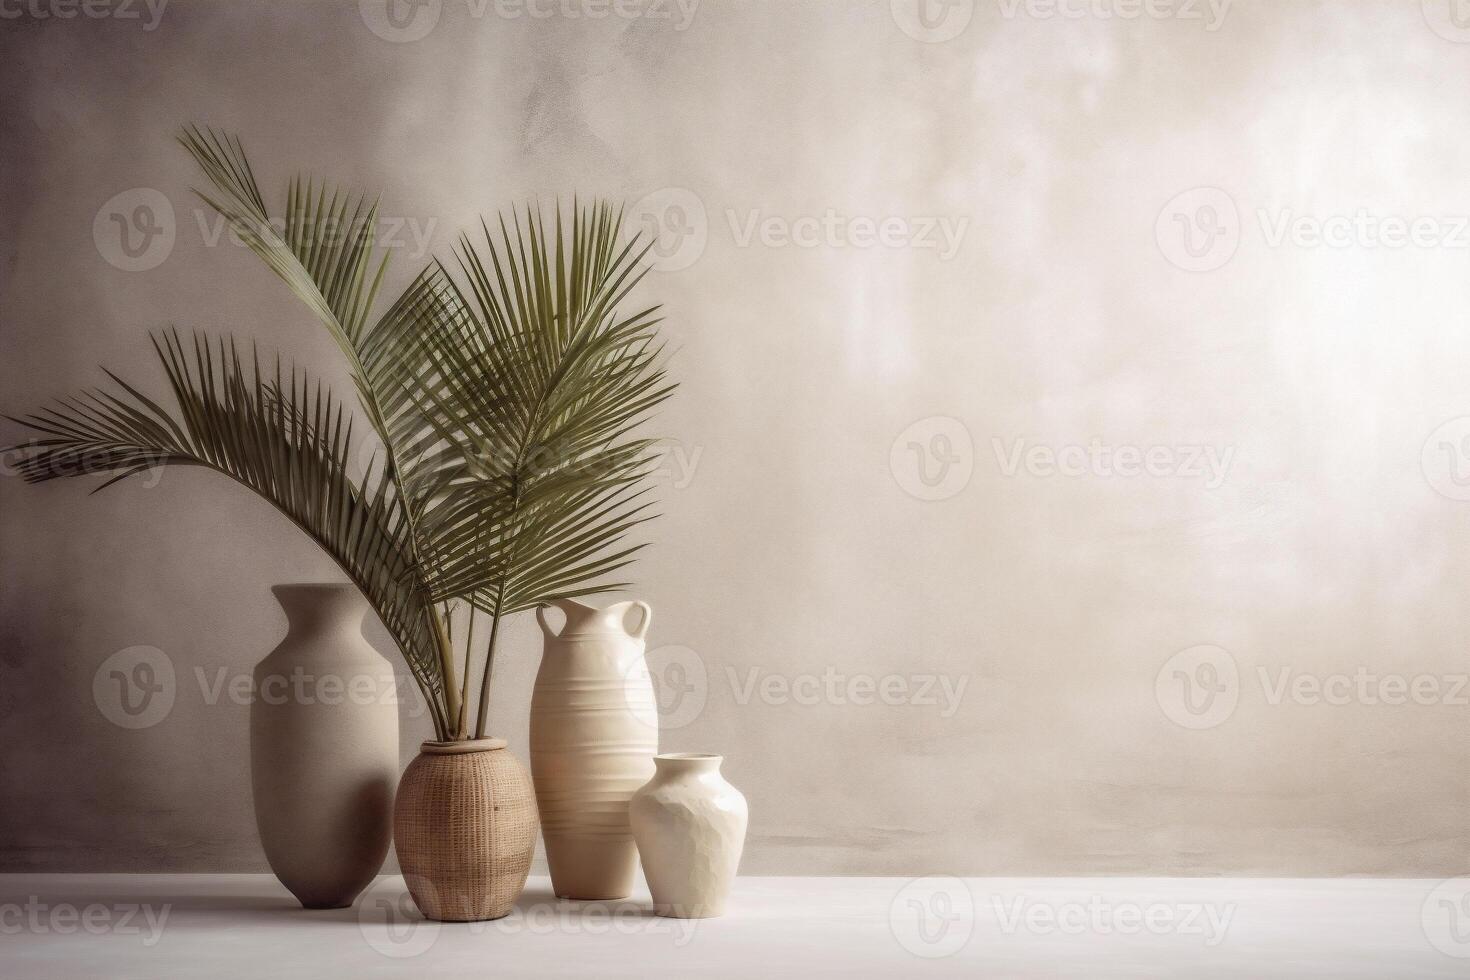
<point x="1024" y="619"/>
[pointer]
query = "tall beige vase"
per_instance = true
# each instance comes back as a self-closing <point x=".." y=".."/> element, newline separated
<point x="594" y="733"/>
<point x="465" y="827"/>
<point x="324" y="748"/>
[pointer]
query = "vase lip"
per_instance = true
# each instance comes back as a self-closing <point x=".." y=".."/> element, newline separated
<point x="688" y="760"/>
<point x="309" y="588"/>
<point x="562" y="604"/>
<point x="462" y="746"/>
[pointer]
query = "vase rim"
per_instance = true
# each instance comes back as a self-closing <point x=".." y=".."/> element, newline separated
<point x="590" y="607"/>
<point x="462" y="746"/>
<point x="688" y="760"/>
<point x="325" y="588"/>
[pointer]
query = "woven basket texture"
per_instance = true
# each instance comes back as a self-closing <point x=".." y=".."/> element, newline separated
<point x="464" y="825"/>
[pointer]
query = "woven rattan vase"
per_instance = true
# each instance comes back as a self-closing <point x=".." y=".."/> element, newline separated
<point x="464" y="825"/>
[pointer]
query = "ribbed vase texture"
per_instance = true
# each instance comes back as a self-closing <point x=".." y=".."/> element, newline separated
<point x="594" y="733"/>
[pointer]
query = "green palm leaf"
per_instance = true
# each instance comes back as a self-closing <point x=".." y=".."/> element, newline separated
<point x="323" y="248"/>
<point x="507" y="396"/>
<point x="534" y="385"/>
<point x="281" y="435"/>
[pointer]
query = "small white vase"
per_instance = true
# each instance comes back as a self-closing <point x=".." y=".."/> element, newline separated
<point x="690" y="827"/>
<point x="594" y="732"/>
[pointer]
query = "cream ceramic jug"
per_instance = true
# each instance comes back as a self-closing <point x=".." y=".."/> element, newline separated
<point x="594" y="733"/>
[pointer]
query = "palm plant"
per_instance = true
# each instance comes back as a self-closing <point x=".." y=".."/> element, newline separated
<point x="503" y="398"/>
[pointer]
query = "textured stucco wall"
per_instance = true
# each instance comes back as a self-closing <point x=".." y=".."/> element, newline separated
<point x="897" y="267"/>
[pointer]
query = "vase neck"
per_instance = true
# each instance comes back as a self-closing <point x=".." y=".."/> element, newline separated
<point x="675" y="764"/>
<point x="587" y="620"/>
<point x="313" y="607"/>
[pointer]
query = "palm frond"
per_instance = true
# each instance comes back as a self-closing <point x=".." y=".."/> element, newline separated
<point x="535" y="381"/>
<point x="324" y="250"/>
<point x="282" y="435"/>
<point x="532" y="384"/>
<point x="507" y="396"/>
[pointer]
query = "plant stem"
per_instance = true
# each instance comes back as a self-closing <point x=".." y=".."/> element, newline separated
<point x="436" y="715"/>
<point x="446" y="661"/>
<point x="464" y="694"/>
<point x="489" y="663"/>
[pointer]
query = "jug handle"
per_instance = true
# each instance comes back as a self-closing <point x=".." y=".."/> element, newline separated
<point x="647" y="618"/>
<point x="545" y="626"/>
